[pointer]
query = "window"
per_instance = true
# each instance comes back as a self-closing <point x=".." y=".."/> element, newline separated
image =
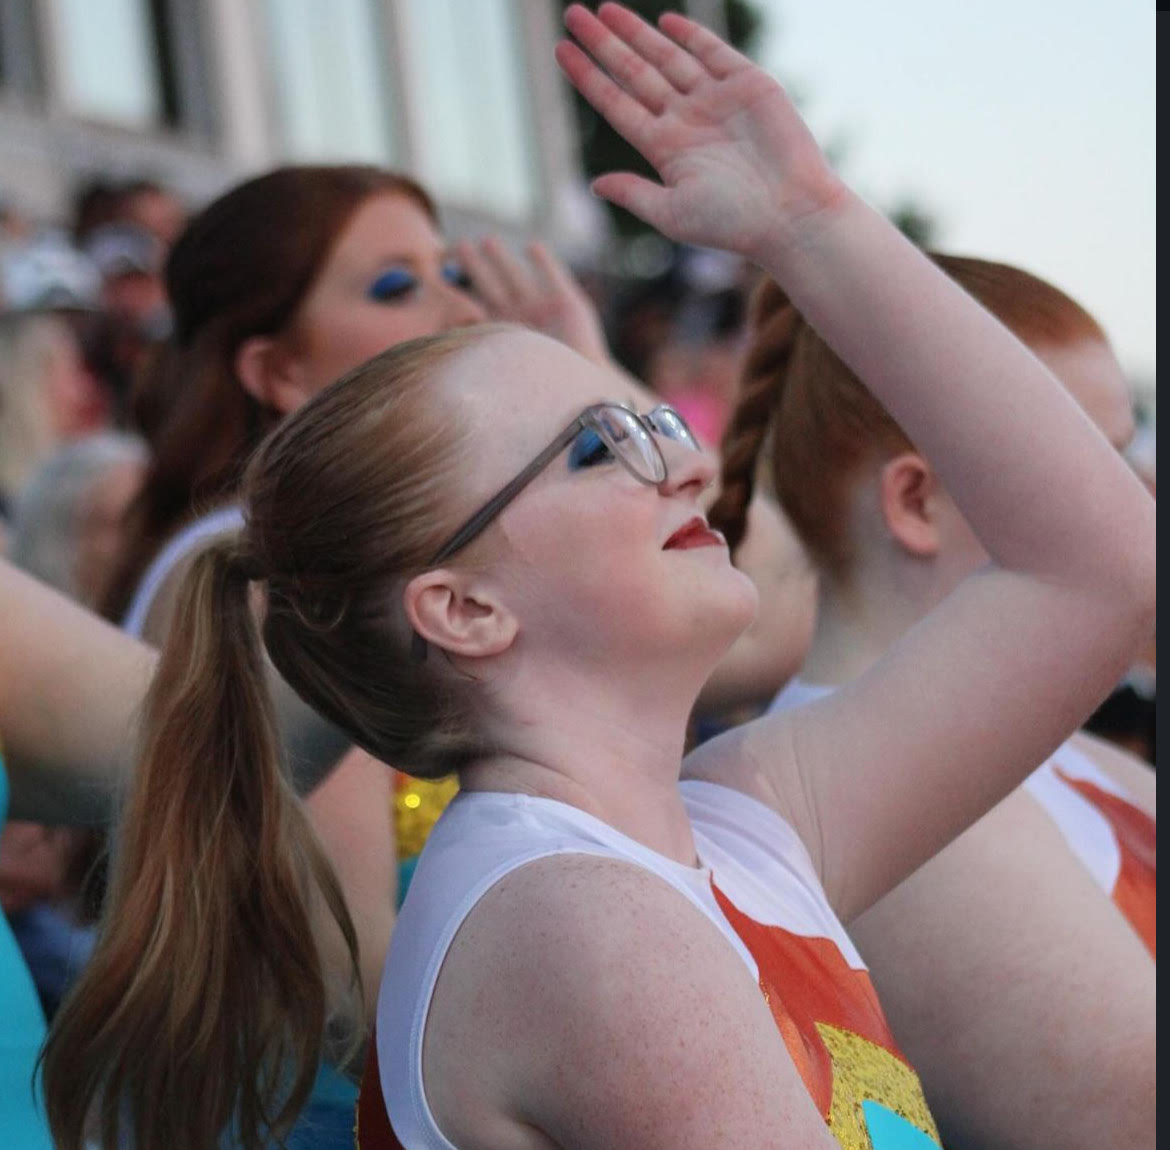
<point x="21" y="73"/>
<point x="330" y="61"/>
<point x="106" y="61"/>
<point x="137" y="63"/>
<point x="468" y="74"/>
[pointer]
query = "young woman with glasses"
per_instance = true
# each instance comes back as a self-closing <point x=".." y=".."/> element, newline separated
<point x="593" y="953"/>
<point x="279" y="286"/>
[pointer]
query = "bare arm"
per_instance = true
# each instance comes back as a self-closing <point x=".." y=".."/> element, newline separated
<point x="71" y="686"/>
<point x="680" y="1052"/>
<point x="883" y="773"/>
<point x="70" y="689"/>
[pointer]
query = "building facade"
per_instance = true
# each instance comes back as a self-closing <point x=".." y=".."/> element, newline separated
<point x="463" y="94"/>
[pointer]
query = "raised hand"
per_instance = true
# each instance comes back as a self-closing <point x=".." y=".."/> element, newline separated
<point x="738" y="166"/>
<point x="539" y="292"/>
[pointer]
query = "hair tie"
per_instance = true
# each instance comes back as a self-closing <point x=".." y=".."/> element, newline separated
<point x="245" y="564"/>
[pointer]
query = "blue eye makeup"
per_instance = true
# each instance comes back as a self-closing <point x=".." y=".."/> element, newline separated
<point x="392" y="285"/>
<point x="456" y="275"/>
<point x="588" y="450"/>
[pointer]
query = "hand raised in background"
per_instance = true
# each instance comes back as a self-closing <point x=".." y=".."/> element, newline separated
<point x="539" y="292"/>
<point x="738" y="166"/>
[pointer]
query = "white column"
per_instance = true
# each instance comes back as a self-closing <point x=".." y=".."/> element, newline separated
<point x="238" y="60"/>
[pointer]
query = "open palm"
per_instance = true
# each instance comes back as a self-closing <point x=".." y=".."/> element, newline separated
<point x="735" y="159"/>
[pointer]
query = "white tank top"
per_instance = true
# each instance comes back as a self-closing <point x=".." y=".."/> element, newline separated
<point x="1102" y="825"/>
<point x="756" y="883"/>
<point x="1086" y="830"/>
<point x="177" y="549"/>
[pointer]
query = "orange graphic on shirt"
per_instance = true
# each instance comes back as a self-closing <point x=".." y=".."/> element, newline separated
<point x="806" y="981"/>
<point x="833" y="1027"/>
<point x="1136" y="891"/>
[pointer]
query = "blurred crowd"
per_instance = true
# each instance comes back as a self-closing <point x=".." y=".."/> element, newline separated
<point x="84" y="307"/>
<point x="84" y="301"/>
<point x="81" y="302"/>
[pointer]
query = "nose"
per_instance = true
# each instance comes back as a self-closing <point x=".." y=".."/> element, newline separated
<point x="688" y="471"/>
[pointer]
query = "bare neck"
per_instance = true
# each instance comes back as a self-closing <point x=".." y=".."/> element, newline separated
<point x="859" y="618"/>
<point x="608" y="744"/>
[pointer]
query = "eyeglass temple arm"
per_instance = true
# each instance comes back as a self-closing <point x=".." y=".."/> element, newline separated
<point x="484" y="516"/>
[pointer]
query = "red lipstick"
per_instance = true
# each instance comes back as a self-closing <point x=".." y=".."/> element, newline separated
<point x="693" y="533"/>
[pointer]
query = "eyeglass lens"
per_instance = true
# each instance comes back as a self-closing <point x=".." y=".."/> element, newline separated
<point x="670" y="425"/>
<point x="631" y="441"/>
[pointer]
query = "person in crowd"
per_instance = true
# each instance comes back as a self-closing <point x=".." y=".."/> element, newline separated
<point x="66" y="524"/>
<point x="126" y="227"/>
<point x="1037" y="925"/>
<point x="276" y="288"/>
<point x="263" y="321"/>
<point x="130" y="260"/>
<point x="697" y="369"/>
<point x="472" y="555"/>
<point x="47" y="394"/>
<point x="139" y="200"/>
<point x="21" y="1116"/>
<point x="154" y="207"/>
<point x="43" y="872"/>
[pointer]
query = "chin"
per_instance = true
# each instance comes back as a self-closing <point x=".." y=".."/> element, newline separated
<point x="727" y="607"/>
<point x="746" y="601"/>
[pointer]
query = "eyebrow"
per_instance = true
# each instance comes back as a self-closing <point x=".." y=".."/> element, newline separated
<point x="440" y="252"/>
<point x="395" y="258"/>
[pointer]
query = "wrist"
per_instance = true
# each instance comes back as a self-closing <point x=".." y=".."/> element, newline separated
<point x="799" y="229"/>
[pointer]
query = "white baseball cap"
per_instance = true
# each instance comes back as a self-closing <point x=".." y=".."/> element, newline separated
<point x="47" y="274"/>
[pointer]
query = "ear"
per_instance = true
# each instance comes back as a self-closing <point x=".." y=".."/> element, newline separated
<point x="269" y="373"/>
<point x="910" y="495"/>
<point x="455" y="611"/>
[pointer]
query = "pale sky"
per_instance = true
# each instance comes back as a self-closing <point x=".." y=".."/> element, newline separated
<point x="1026" y="127"/>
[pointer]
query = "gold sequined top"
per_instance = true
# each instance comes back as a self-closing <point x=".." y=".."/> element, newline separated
<point x="417" y="805"/>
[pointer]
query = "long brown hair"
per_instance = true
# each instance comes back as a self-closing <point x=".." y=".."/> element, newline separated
<point x="205" y="1004"/>
<point x="241" y="268"/>
<point x="816" y="424"/>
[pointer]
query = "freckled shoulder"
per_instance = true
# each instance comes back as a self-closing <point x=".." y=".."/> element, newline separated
<point x="603" y="975"/>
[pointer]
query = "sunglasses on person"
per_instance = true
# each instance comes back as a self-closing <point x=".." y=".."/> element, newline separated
<point x="601" y="432"/>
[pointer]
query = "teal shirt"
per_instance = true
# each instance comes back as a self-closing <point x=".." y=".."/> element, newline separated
<point x="22" y="1032"/>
